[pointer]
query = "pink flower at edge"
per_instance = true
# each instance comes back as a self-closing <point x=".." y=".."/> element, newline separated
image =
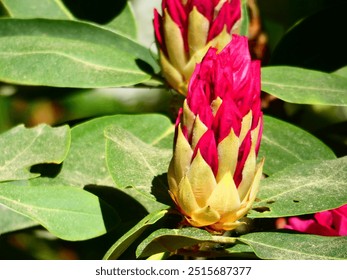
<point x="327" y="223"/>
<point x="213" y="175"/>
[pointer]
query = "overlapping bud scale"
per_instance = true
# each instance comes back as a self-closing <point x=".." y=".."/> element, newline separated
<point x="213" y="175"/>
<point x="187" y="29"/>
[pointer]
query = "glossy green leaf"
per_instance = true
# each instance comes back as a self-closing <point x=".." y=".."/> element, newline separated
<point x="170" y="240"/>
<point x="284" y="144"/>
<point x="23" y="147"/>
<point x="303" y="188"/>
<point x="127" y="239"/>
<point x="287" y="246"/>
<point x="69" y="54"/>
<point x="302" y="86"/>
<point x="53" y="9"/>
<point x="67" y="212"/>
<point x="124" y="23"/>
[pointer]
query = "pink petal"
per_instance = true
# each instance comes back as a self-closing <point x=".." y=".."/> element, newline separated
<point x="157" y="22"/>
<point x="208" y="149"/>
<point x="204" y="7"/>
<point x="340" y="220"/>
<point x="324" y="218"/>
<point x="228" y="15"/>
<point x="295" y="223"/>
<point x="179" y="15"/>
<point x="225" y="120"/>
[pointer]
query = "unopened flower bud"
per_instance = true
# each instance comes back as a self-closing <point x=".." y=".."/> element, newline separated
<point x="213" y="175"/>
<point x="187" y="29"/>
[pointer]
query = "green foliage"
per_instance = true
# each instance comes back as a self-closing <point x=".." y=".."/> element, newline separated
<point x="169" y="240"/>
<point x="128" y="238"/>
<point x="287" y="246"/>
<point x="302" y="86"/>
<point x="55" y="208"/>
<point x="303" y="188"/>
<point x="23" y="148"/>
<point x="106" y="177"/>
<point x="280" y="153"/>
<point x="37" y="8"/>
<point x="95" y="58"/>
<point x="124" y="23"/>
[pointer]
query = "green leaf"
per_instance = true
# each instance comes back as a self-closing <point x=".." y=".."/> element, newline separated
<point x="302" y="86"/>
<point x="23" y="147"/>
<point x="53" y="9"/>
<point x="13" y="221"/>
<point x="170" y="240"/>
<point x="303" y="188"/>
<point x="133" y="162"/>
<point x="67" y="212"/>
<point x="287" y="246"/>
<point x="69" y="54"/>
<point x="341" y="72"/>
<point x="86" y="165"/>
<point x="125" y="22"/>
<point x="127" y="239"/>
<point x="284" y="144"/>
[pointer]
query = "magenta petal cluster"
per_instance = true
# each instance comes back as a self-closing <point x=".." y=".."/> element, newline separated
<point x="326" y="223"/>
<point x="213" y="175"/>
<point x="185" y="31"/>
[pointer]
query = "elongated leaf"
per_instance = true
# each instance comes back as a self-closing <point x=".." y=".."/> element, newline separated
<point x="23" y="147"/>
<point x="284" y="144"/>
<point x="286" y="246"/>
<point x="69" y="213"/>
<point x="304" y="188"/>
<point x="13" y="221"/>
<point x="69" y="54"/>
<point x="170" y="240"/>
<point x="127" y="239"/>
<point x="124" y="23"/>
<point x="53" y="9"/>
<point x="297" y="85"/>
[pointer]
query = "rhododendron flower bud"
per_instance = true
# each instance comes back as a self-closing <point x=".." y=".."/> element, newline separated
<point x="185" y="31"/>
<point x="213" y="175"/>
<point x="327" y="223"/>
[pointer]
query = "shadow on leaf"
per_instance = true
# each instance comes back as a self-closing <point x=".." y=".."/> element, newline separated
<point x="160" y="189"/>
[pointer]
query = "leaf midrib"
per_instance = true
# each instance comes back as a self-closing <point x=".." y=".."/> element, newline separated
<point x="98" y="67"/>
